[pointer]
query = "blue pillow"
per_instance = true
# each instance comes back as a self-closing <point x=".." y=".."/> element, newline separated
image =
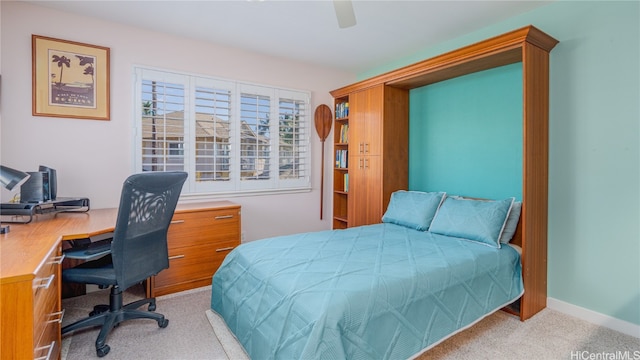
<point x="477" y="220"/>
<point x="413" y="209"/>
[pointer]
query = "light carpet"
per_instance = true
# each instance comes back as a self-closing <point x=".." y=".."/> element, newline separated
<point x="229" y="342"/>
<point x="188" y="336"/>
<point x="195" y="332"/>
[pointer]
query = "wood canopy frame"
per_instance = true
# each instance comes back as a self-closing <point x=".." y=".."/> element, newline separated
<point x="531" y="47"/>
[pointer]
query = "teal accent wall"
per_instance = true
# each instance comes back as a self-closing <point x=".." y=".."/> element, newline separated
<point x="594" y="151"/>
<point x="467" y="144"/>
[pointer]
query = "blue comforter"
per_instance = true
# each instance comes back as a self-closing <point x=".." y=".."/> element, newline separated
<point x="373" y="292"/>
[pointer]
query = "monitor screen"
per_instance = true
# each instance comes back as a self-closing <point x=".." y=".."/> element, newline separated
<point x="52" y="183"/>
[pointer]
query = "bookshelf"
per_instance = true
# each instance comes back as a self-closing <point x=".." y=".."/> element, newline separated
<point x="341" y="165"/>
<point x="363" y="175"/>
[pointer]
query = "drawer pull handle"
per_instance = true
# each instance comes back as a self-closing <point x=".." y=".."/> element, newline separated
<point x="224" y="249"/>
<point x="221" y="217"/>
<point x="46" y="282"/>
<point x="59" y="314"/>
<point x="174" y="257"/>
<point x="49" y="352"/>
<point x="177" y="221"/>
<point x="58" y="259"/>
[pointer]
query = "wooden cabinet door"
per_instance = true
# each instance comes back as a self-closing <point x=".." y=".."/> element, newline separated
<point x="366" y="121"/>
<point x="357" y="123"/>
<point x="357" y="191"/>
<point x="373" y="120"/>
<point x="365" y="195"/>
<point x="373" y="190"/>
<point x="365" y="163"/>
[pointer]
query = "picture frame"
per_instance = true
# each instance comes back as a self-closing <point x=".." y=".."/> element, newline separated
<point x="70" y="79"/>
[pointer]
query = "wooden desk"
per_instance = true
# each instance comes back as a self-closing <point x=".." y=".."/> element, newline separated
<point x="30" y="258"/>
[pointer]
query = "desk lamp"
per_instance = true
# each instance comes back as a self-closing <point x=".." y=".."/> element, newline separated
<point x="10" y="179"/>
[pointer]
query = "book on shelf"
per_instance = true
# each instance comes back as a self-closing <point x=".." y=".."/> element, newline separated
<point x="341" y="158"/>
<point x="342" y="110"/>
<point x="344" y="134"/>
<point x="346" y="182"/>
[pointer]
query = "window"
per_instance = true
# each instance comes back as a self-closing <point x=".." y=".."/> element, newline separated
<point x="229" y="136"/>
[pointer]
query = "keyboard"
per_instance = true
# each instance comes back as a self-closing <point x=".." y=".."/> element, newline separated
<point x="96" y="248"/>
<point x="90" y="247"/>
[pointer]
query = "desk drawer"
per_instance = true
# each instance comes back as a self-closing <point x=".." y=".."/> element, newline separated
<point x="45" y="311"/>
<point x="46" y="296"/>
<point x="47" y="274"/>
<point x="198" y="239"/>
<point x="193" y="264"/>
<point x="203" y="227"/>
<point x="49" y="345"/>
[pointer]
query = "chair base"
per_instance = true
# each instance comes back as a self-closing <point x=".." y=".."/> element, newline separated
<point x="98" y="309"/>
<point x="114" y="315"/>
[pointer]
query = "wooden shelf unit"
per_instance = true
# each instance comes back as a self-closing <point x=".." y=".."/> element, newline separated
<point x="376" y="165"/>
<point x="340" y="143"/>
<point x="531" y="47"/>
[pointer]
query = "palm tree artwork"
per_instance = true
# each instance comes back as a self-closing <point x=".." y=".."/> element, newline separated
<point x="70" y="87"/>
<point x="62" y="61"/>
<point x="87" y="60"/>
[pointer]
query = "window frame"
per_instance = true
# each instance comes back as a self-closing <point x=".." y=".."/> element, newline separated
<point x="235" y="185"/>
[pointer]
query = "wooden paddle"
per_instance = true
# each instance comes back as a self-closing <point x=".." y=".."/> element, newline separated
<point x="322" y="119"/>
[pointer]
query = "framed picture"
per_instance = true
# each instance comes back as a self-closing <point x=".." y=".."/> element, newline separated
<point x="70" y="79"/>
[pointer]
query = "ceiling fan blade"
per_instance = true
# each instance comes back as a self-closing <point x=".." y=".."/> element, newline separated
<point x="344" y="13"/>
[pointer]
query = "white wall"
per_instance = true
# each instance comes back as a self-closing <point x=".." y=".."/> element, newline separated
<point x="94" y="157"/>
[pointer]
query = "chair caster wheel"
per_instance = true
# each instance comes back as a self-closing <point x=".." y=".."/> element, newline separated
<point x="98" y="309"/>
<point x="102" y="351"/>
<point x="163" y="323"/>
<point x="152" y="307"/>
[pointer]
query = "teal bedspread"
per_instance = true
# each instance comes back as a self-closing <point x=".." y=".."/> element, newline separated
<point x="373" y="292"/>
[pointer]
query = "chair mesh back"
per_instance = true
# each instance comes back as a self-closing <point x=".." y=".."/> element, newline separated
<point x="147" y="203"/>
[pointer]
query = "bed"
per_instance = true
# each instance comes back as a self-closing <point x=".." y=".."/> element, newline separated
<point x="382" y="291"/>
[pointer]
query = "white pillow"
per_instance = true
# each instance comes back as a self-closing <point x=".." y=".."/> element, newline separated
<point x="512" y="222"/>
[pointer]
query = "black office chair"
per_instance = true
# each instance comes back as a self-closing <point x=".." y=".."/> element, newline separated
<point x="138" y="251"/>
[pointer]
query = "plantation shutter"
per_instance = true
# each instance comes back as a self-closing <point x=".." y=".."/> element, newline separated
<point x="231" y="137"/>
<point x="213" y="135"/>
<point x="293" y="132"/>
<point x="255" y="136"/>
<point x="162" y="124"/>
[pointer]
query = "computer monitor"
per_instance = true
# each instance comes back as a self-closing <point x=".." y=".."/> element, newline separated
<point x="42" y="186"/>
<point x="53" y="181"/>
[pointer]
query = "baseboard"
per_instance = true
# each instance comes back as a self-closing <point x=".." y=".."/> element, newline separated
<point x="593" y="317"/>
